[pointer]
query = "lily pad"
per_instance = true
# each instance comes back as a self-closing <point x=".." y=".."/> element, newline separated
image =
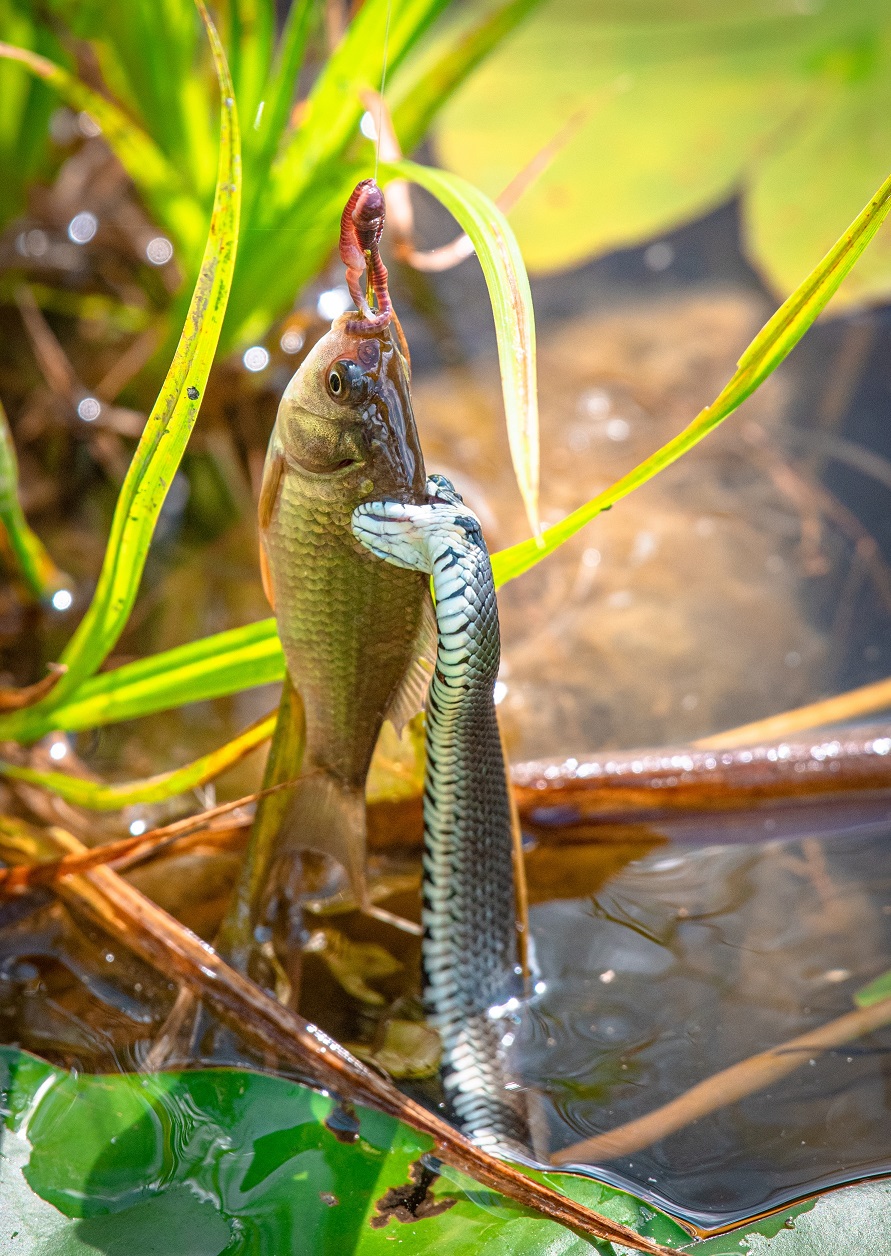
<point x="234" y="1163"/>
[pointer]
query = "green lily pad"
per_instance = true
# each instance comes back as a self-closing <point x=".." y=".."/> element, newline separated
<point x="223" y="1162"/>
<point x="234" y="1162"/>
<point x="654" y="111"/>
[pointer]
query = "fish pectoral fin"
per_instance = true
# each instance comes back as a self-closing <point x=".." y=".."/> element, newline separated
<point x="266" y="577"/>
<point x="273" y="471"/>
<point x="328" y="815"/>
<point x="412" y="692"/>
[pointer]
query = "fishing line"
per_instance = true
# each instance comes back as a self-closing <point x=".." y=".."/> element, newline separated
<point x="380" y="107"/>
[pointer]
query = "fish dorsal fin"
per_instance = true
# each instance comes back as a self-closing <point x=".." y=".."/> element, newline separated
<point x="412" y="692"/>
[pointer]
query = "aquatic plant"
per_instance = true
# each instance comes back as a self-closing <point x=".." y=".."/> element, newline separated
<point x="84" y="697"/>
<point x="156" y="112"/>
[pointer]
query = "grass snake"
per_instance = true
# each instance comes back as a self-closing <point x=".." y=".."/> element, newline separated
<point x="469" y="950"/>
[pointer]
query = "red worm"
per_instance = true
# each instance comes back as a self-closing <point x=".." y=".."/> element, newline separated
<point x="361" y="227"/>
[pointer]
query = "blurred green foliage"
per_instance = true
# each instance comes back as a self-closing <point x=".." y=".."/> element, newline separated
<point x="302" y="149"/>
<point x="661" y="109"/>
<point x="27" y="107"/>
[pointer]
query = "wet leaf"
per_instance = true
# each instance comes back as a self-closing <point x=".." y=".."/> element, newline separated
<point x="353" y="964"/>
<point x="225" y="1156"/>
<point x="851" y="1222"/>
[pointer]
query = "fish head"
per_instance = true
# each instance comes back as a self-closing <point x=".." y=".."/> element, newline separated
<point x="346" y="418"/>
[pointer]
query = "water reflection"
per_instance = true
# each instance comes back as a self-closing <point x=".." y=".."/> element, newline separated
<point x="691" y="959"/>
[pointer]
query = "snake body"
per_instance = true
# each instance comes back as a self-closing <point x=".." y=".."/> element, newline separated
<point x="469" y="948"/>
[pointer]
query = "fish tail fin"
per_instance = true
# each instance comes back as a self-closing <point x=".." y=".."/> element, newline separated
<point x="328" y="815"/>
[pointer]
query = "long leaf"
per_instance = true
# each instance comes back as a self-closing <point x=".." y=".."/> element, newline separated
<point x="212" y="667"/>
<point x="100" y="797"/>
<point x="40" y="574"/>
<point x="157" y="179"/>
<point x="508" y="285"/>
<point x="772" y="344"/>
<point x="170" y="424"/>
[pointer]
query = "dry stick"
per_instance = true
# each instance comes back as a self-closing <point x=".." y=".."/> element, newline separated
<point x="174" y="950"/>
<point x="26" y="876"/>
<point x="726" y="1087"/>
<point x="844" y="706"/>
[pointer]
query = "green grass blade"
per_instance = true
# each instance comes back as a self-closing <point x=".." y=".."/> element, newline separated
<point x="263" y="137"/>
<point x="508" y="284"/>
<point x="772" y="344"/>
<point x="455" y="53"/>
<point x="212" y="667"/>
<point x="169" y="426"/>
<point x="294" y="223"/>
<point x="39" y="573"/>
<point x="249" y="39"/>
<point x="282" y="86"/>
<point x="335" y="106"/>
<point x="156" y="178"/>
<point x="99" y="797"/>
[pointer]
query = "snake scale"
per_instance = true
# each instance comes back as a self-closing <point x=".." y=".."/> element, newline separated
<point x="469" y="948"/>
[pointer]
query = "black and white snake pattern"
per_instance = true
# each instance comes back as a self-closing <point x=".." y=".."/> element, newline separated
<point x="469" y="948"/>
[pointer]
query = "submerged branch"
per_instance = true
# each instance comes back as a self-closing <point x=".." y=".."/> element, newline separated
<point x="629" y="784"/>
<point x="171" y="948"/>
<point x="726" y="1087"/>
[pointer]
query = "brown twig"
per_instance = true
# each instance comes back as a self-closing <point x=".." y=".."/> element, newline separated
<point x="726" y="1087"/>
<point x="129" y="849"/>
<point x="170" y="947"/>
<point x="18" y="699"/>
<point x="635" y="783"/>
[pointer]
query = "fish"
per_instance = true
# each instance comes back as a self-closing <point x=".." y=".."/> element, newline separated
<point x="358" y="634"/>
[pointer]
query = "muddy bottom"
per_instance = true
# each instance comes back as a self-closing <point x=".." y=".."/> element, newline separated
<point x="693" y="958"/>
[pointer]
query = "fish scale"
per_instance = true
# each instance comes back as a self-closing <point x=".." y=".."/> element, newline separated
<point x="350" y="631"/>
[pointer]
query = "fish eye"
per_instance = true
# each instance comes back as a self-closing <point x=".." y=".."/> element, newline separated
<point x="346" y="381"/>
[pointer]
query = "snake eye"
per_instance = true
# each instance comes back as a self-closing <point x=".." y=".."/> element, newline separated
<point x="346" y="382"/>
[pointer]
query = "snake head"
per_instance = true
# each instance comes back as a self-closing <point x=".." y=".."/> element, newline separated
<point x="439" y="489"/>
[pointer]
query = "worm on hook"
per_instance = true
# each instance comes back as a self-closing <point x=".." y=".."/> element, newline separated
<point x="361" y="227"/>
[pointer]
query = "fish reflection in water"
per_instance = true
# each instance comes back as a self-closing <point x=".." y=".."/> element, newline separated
<point x="692" y="959"/>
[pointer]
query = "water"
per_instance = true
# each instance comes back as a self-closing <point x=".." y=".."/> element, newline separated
<point x="691" y="959"/>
